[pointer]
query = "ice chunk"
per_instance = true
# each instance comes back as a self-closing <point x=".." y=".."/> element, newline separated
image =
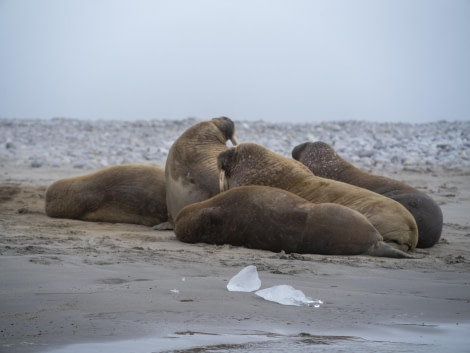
<point x="287" y="295"/>
<point x="247" y="280"/>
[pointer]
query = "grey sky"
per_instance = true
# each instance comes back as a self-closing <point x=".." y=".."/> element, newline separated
<point x="291" y="60"/>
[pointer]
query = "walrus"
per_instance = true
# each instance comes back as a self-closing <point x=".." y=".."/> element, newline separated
<point x="191" y="172"/>
<point x="267" y="218"/>
<point x="252" y="164"/>
<point x="324" y="162"/>
<point x="128" y="193"/>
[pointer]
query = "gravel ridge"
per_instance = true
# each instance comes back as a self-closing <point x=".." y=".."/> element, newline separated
<point x="90" y="145"/>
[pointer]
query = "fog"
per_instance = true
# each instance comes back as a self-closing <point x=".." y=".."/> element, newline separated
<point x="291" y="60"/>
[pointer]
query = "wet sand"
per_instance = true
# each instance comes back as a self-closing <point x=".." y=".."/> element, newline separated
<point x="66" y="282"/>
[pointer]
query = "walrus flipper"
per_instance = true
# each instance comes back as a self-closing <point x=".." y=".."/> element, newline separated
<point x="163" y="226"/>
<point x="385" y="250"/>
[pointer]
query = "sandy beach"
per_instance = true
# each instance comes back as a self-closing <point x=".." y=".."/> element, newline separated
<point x="74" y="286"/>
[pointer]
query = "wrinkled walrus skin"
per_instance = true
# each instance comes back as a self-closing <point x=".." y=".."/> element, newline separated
<point x="324" y="162"/>
<point x="266" y="218"/>
<point x="252" y="164"/>
<point x="128" y="193"/>
<point x="191" y="172"/>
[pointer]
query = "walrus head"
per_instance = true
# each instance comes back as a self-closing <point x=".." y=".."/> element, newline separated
<point x="320" y="158"/>
<point x="227" y="127"/>
<point x="252" y="164"/>
<point x="428" y="216"/>
<point x="238" y="164"/>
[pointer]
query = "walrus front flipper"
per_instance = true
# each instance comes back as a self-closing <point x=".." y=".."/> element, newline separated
<point x="163" y="226"/>
<point x="383" y="249"/>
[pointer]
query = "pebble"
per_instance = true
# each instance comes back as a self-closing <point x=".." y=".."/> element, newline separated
<point x="88" y="145"/>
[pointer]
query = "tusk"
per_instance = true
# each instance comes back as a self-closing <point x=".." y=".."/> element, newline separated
<point x="234" y="140"/>
<point x="222" y="181"/>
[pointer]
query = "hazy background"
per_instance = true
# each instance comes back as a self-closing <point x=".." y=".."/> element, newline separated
<point x="291" y="60"/>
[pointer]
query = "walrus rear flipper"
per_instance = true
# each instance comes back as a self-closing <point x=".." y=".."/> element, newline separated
<point x="382" y="249"/>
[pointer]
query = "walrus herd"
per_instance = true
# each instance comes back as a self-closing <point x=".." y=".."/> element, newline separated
<point x="252" y="164"/>
<point x="247" y="195"/>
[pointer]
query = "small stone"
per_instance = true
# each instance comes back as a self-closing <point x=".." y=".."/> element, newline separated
<point x="37" y="163"/>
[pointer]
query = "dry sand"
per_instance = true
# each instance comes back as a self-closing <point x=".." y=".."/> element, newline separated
<point x="71" y="282"/>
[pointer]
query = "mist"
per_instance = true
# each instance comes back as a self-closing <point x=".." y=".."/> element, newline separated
<point x="277" y="61"/>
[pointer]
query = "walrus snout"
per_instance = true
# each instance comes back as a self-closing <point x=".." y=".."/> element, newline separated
<point x="224" y="160"/>
<point x="227" y="126"/>
<point x="223" y="164"/>
<point x="297" y="151"/>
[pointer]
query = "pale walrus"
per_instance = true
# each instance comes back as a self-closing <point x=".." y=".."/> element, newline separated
<point x="249" y="163"/>
<point x="129" y="193"/>
<point x="262" y="217"/>
<point x="323" y="161"/>
<point x="191" y="172"/>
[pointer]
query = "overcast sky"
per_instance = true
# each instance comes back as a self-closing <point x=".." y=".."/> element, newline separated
<point x="291" y="60"/>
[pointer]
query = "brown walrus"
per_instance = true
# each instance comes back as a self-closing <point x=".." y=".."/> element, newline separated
<point x="128" y="193"/>
<point x="191" y="172"/>
<point x="324" y="162"/>
<point x="249" y="163"/>
<point x="262" y="217"/>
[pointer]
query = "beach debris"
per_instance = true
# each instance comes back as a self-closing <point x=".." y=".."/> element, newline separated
<point x="247" y="280"/>
<point x="287" y="295"/>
